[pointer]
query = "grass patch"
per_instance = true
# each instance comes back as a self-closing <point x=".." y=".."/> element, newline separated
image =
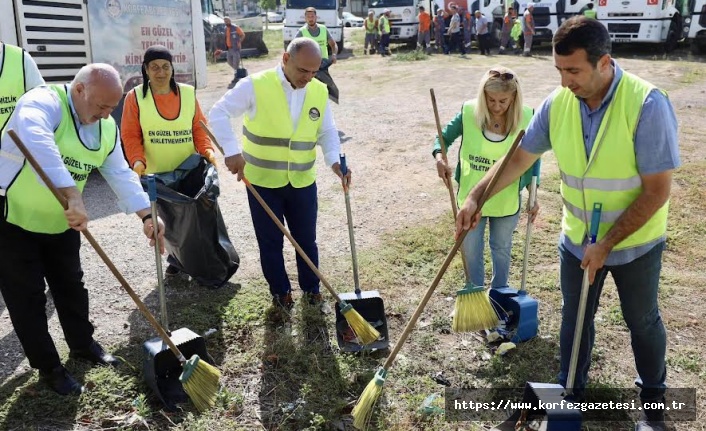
<point x="416" y="55"/>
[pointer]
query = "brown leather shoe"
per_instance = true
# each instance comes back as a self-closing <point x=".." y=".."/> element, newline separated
<point x="283" y="301"/>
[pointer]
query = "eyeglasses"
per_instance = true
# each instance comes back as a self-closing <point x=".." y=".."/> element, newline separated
<point x="156" y="68"/>
<point x="504" y="76"/>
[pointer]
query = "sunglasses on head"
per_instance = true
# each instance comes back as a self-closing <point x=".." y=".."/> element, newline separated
<point x="504" y="76"/>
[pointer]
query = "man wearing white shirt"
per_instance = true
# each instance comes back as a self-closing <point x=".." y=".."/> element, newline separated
<point x="69" y="131"/>
<point x="286" y="113"/>
<point x="18" y="74"/>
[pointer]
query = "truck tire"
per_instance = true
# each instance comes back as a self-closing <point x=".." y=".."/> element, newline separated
<point x="670" y="44"/>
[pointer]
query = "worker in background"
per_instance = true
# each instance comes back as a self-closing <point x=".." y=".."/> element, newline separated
<point x="615" y="139"/>
<point x="508" y="22"/>
<point x="483" y="33"/>
<point x="371" y="33"/>
<point x="285" y="114"/>
<point x="18" y="74"/>
<point x="384" y="27"/>
<point x="424" y="32"/>
<point x="440" y="31"/>
<point x="455" y="32"/>
<point x="234" y="36"/>
<point x="528" y="29"/>
<point x="488" y="126"/>
<point x="590" y="12"/>
<point x="320" y="34"/>
<point x="69" y="131"/>
<point x="160" y="105"/>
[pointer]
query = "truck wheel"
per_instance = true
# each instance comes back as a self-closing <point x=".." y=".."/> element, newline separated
<point x="670" y="44"/>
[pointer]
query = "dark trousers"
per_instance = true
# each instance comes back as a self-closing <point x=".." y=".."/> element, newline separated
<point x="484" y="43"/>
<point x="26" y="259"/>
<point x="456" y="41"/>
<point x="299" y="208"/>
<point x="384" y="47"/>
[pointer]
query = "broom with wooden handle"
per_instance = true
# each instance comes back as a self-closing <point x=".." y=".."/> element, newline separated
<point x="363" y="409"/>
<point x="472" y="312"/>
<point x="200" y="379"/>
<point x="363" y="330"/>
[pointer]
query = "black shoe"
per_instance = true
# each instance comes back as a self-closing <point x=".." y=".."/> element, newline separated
<point x="95" y="354"/>
<point x="171" y="271"/>
<point x="284" y="302"/>
<point x="651" y="420"/>
<point x="60" y="381"/>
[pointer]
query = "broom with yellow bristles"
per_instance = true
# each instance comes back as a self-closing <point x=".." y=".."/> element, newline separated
<point x="364" y="407"/>
<point x="483" y="315"/>
<point x="363" y="330"/>
<point x="199" y="378"/>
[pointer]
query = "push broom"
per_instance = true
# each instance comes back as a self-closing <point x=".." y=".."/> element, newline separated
<point x="364" y="407"/>
<point x="473" y="310"/>
<point x="199" y="378"/>
<point x="363" y="330"/>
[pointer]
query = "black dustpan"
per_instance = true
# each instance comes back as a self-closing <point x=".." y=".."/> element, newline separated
<point x="161" y="367"/>
<point x="368" y="303"/>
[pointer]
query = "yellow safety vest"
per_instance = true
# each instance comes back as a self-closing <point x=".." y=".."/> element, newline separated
<point x="276" y="154"/>
<point x="590" y="13"/>
<point x="12" y="81"/>
<point x="477" y="155"/>
<point x="610" y="174"/>
<point x="30" y="204"/>
<point x="370" y="26"/>
<point x="167" y="142"/>
<point x="384" y="24"/>
<point x="321" y="39"/>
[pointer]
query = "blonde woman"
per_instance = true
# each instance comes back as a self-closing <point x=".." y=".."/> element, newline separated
<point x="488" y="125"/>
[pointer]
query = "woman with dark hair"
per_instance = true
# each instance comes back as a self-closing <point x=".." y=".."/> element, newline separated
<point x="160" y="122"/>
<point x="488" y="125"/>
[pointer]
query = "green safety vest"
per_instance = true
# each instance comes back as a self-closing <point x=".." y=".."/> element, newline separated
<point x="516" y="30"/>
<point x="321" y="39"/>
<point x="384" y="24"/>
<point x="477" y="155"/>
<point x="276" y="154"/>
<point x="30" y="204"/>
<point x="590" y="13"/>
<point x="370" y="26"/>
<point x="610" y="174"/>
<point x="167" y="143"/>
<point x="12" y="81"/>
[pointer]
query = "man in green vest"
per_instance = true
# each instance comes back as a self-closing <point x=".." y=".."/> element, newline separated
<point x="18" y="74"/>
<point x="286" y="113"/>
<point x="590" y="12"/>
<point x="614" y="136"/>
<point x="69" y="131"/>
<point x="320" y="34"/>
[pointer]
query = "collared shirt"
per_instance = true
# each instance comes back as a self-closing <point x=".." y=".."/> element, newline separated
<point x="241" y="100"/>
<point x="481" y="25"/>
<point x="33" y="78"/>
<point x="656" y="147"/>
<point x="36" y="116"/>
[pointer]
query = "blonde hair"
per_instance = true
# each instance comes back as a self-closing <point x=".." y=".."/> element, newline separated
<point x="495" y="80"/>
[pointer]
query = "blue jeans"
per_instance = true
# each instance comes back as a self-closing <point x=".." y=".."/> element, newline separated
<point x="501" y="229"/>
<point x="298" y="207"/>
<point x="637" y="284"/>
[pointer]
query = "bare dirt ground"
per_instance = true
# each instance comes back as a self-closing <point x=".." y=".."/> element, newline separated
<point x="387" y="126"/>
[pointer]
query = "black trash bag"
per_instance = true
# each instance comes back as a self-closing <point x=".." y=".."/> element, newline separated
<point x="323" y="76"/>
<point x="196" y="236"/>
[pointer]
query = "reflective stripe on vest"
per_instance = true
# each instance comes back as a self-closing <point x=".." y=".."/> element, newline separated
<point x="610" y="175"/>
<point x="478" y="154"/>
<point x="12" y="81"/>
<point x="276" y="154"/>
<point x="30" y="204"/>
<point x="321" y="39"/>
<point x="167" y="143"/>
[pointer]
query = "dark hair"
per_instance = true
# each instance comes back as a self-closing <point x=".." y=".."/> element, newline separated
<point x="590" y="5"/>
<point x="580" y="32"/>
<point x="421" y="7"/>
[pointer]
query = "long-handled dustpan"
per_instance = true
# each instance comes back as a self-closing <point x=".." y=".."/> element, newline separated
<point x="557" y="417"/>
<point x="368" y="303"/>
<point x="518" y="311"/>
<point x="161" y="368"/>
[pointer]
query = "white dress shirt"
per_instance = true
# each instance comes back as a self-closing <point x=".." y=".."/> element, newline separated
<point x="32" y="76"/>
<point x="241" y="100"/>
<point x="36" y="116"/>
